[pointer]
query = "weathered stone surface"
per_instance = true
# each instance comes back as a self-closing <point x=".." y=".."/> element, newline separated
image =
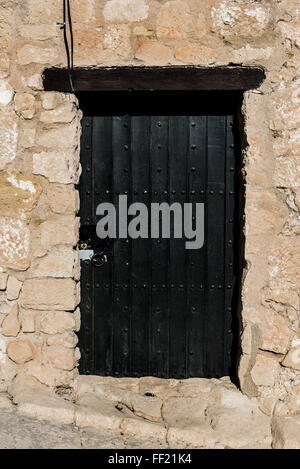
<point x="61" y="357"/>
<point x="50" y="99"/>
<point x="5" y="402"/>
<point x="57" y="322"/>
<point x="144" y="430"/>
<point x="154" y="53"/>
<point x="8" y="136"/>
<point x="25" y="105"/>
<point x="4" y="65"/>
<point x="199" y="437"/>
<point x="146" y="407"/>
<point x="18" y="194"/>
<point x="11" y="324"/>
<point x="234" y="21"/>
<point x="39" y="32"/>
<point x="264" y="371"/>
<point x="117" y="38"/>
<point x="59" y="231"/>
<point x="284" y="258"/>
<point x="174" y="20"/>
<point x="88" y="45"/>
<point x="49" y="376"/>
<point x="63" y="114"/>
<point x="99" y="412"/>
<point x="286" y="433"/>
<point x="49" y="293"/>
<point x="14" y="247"/>
<point x="276" y="334"/>
<point x="67" y="339"/>
<point x="13" y="288"/>
<point x="178" y="412"/>
<point x="62" y="167"/>
<point x="60" y="263"/>
<point x="124" y="11"/>
<point x="21" y="351"/>
<point x="66" y="136"/>
<point x="3" y="281"/>
<point x="63" y="199"/>
<point x="292" y="359"/>
<point x="241" y="428"/>
<point x="287" y="172"/>
<point x="265" y="213"/>
<point x="48" y="10"/>
<point x="30" y="53"/>
<point x="27" y="138"/>
<point x="28" y="322"/>
<point x="196" y="55"/>
<point x="280" y="296"/>
<point x="36" y="400"/>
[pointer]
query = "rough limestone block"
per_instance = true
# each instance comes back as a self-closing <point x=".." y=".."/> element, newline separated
<point x="63" y="199"/>
<point x="125" y="11"/>
<point x="174" y="21"/>
<point x="18" y="194"/>
<point x="57" y="322"/>
<point x="11" y="324"/>
<point x="30" y="53"/>
<point x="25" y="105"/>
<point x="264" y="371"/>
<point x="62" y="167"/>
<point x="63" y="114"/>
<point x="13" y="288"/>
<point x="61" y="357"/>
<point x="3" y="281"/>
<point x="292" y="359"/>
<point x="59" y="231"/>
<point x="8" y="136"/>
<point x="154" y="53"/>
<point x="21" y="351"/>
<point x="14" y="248"/>
<point x="49" y="293"/>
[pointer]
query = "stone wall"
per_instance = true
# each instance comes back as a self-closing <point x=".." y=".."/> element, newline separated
<point x="39" y="168"/>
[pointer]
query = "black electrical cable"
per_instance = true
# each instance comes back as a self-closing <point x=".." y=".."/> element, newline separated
<point x="69" y="50"/>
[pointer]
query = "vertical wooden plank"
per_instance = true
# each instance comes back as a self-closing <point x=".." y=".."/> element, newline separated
<point x="85" y="186"/>
<point x="159" y="356"/>
<point x="121" y="250"/>
<point x="178" y="149"/>
<point x="86" y="279"/>
<point x="103" y="292"/>
<point x="214" y="326"/>
<point x="141" y="248"/>
<point x="196" y="258"/>
<point x="231" y="244"/>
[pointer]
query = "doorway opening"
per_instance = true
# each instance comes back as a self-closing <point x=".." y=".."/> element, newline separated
<point x="150" y="306"/>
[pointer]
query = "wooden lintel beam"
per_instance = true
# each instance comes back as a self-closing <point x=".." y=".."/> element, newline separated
<point x="154" y="78"/>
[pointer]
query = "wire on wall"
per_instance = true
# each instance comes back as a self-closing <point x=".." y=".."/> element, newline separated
<point x="67" y="28"/>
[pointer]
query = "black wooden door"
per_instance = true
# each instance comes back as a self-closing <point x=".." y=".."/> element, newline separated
<point x="154" y="307"/>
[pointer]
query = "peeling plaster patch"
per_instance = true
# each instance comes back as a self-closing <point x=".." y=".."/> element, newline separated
<point x="2" y="350"/>
<point x="258" y="13"/>
<point x="112" y="38"/>
<point x="8" y="136"/>
<point x="14" y="243"/>
<point x="24" y="185"/>
<point x="6" y="93"/>
<point x="125" y="10"/>
<point x="225" y="15"/>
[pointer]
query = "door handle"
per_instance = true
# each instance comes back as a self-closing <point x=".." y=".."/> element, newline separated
<point x="99" y="259"/>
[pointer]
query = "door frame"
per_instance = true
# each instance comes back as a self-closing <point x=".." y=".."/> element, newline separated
<point x="176" y="78"/>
